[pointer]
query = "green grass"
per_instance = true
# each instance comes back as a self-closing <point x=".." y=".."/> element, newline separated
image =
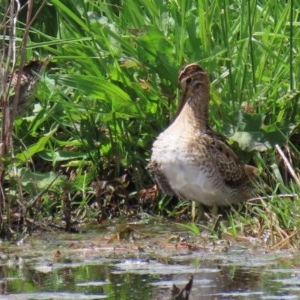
<point x="111" y="87"/>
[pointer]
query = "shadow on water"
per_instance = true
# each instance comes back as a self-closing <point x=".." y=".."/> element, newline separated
<point x="100" y="264"/>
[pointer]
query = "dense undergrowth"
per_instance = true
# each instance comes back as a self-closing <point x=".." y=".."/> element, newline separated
<point x="81" y="149"/>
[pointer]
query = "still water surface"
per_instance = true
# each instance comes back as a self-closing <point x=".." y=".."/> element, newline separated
<point x="98" y="263"/>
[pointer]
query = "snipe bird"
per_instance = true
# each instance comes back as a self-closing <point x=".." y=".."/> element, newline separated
<point x="193" y="162"/>
<point x="30" y="75"/>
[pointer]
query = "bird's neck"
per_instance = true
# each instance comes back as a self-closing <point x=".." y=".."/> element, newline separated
<point x="194" y="112"/>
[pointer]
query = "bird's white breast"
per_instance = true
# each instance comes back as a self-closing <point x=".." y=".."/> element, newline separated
<point x="187" y="177"/>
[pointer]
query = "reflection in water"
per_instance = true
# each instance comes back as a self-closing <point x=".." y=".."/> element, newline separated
<point x="89" y="268"/>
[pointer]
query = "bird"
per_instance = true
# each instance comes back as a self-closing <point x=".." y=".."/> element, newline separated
<point x="30" y="75"/>
<point x="190" y="160"/>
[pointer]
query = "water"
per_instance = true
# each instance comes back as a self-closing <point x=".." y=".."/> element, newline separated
<point x="144" y="263"/>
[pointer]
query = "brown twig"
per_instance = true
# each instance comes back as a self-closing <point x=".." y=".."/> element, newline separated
<point x="273" y="196"/>
<point x="10" y="103"/>
<point x="288" y="165"/>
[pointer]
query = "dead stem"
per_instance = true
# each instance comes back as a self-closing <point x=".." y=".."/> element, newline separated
<point x="285" y="241"/>
<point x="288" y="165"/>
<point x="9" y="60"/>
<point x="269" y="197"/>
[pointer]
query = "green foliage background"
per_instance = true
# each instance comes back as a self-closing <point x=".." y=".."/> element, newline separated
<point x="112" y="87"/>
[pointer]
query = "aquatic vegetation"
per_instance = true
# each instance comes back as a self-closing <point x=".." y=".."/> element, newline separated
<point x="80" y="150"/>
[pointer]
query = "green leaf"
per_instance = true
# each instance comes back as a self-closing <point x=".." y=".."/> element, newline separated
<point x="70" y="13"/>
<point x="193" y="227"/>
<point x="35" y="148"/>
<point x="253" y="134"/>
<point x="93" y="86"/>
<point x="116" y="100"/>
<point x="40" y="180"/>
<point x="62" y="155"/>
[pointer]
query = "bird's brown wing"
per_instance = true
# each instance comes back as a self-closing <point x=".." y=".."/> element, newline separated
<point x="225" y="161"/>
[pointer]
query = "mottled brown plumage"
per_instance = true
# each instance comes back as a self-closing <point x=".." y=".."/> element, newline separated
<point x="30" y="75"/>
<point x="193" y="162"/>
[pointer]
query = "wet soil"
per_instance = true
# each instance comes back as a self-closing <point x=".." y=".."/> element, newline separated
<point x="144" y="260"/>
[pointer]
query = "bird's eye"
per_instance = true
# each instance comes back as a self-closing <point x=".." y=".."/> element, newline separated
<point x="189" y="80"/>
